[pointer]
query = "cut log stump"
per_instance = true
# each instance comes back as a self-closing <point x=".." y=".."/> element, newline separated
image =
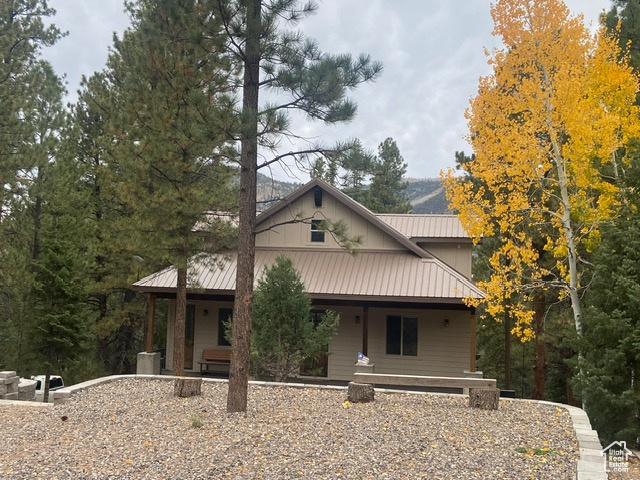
<point x="360" y="392"/>
<point x="484" y="398"/>
<point x="187" y="387"/>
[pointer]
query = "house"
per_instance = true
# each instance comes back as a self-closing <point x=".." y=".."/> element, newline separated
<point x="400" y="297"/>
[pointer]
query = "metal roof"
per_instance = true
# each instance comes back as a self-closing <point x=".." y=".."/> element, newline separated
<point x="399" y="276"/>
<point x="426" y="226"/>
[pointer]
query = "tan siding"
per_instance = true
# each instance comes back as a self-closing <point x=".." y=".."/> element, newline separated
<point x="346" y="344"/>
<point x="205" y="329"/>
<point x="293" y="235"/>
<point x="455" y="255"/>
<point x="441" y="350"/>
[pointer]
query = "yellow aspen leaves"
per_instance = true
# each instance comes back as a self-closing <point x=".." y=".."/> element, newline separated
<point x="549" y="129"/>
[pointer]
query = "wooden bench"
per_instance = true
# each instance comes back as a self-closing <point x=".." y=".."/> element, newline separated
<point x="214" y="357"/>
<point x="422" y="381"/>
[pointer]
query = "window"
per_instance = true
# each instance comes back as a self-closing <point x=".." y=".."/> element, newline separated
<point x="317" y="316"/>
<point x="402" y="335"/>
<point x="224" y="315"/>
<point x="317" y="233"/>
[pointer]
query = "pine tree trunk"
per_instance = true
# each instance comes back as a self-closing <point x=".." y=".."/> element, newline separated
<point x="178" y="327"/>
<point x="540" y="370"/>
<point x="47" y="378"/>
<point x="484" y="398"/>
<point x="241" y="328"/>
<point x="360" y="392"/>
<point x="507" y="350"/>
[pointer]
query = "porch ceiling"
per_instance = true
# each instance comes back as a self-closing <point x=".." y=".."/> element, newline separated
<point x="332" y="274"/>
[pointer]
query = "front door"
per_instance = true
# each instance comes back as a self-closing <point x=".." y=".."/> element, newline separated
<point x="189" y="336"/>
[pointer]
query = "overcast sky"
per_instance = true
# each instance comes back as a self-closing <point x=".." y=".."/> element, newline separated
<point x="432" y="51"/>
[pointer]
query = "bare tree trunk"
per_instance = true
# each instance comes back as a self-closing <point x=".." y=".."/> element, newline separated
<point x="507" y="350"/>
<point x="178" y="327"/>
<point x="540" y="370"/>
<point x="47" y="379"/>
<point x="241" y="329"/>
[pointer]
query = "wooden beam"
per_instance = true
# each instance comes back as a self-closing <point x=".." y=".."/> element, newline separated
<point x="150" y="322"/>
<point x="472" y="343"/>
<point x="365" y="330"/>
<point x="420" y="381"/>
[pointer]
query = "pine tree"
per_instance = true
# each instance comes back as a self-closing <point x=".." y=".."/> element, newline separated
<point x="172" y="115"/>
<point x="284" y="335"/>
<point x="118" y="312"/>
<point x="305" y="79"/>
<point x="61" y="323"/>
<point x="23" y="32"/>
<point x="612" y="326"/>
<point x="386" y="194"/>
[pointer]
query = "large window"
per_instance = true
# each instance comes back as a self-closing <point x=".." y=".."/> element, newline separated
<point x="224" y="314"/>
<point x="402" y="335"/>
<point x="317" y="233"/>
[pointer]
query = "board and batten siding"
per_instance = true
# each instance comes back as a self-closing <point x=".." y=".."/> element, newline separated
<point x="298" y="235"/>
<point x="442" y="351"/>
<point x="346" y="344"/>
<point x="456" y="255"/>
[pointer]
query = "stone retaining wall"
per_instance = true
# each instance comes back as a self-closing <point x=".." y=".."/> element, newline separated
<point x="9" y="382"/>
<point x="14" y="388"/>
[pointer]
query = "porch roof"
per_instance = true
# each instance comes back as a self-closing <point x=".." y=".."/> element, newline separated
<point x="399" y="276"/>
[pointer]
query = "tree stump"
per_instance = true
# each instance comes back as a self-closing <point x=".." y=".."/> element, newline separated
<point x="187" y="387"/>
<point x="360" y="392"/>
<point x="484" y="398"/>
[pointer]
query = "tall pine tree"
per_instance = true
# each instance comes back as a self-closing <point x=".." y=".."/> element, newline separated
<point x="386" y="194"/>
<point x="173" y="121"/>
<point x="283" y="60"/>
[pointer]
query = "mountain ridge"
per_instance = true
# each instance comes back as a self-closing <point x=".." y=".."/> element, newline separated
<point x="427" y="195"/>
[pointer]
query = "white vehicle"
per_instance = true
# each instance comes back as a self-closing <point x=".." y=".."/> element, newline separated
<point x="55" y="383"/>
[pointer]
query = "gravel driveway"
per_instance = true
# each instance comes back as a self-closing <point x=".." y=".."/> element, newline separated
<point x="137" y="429"/>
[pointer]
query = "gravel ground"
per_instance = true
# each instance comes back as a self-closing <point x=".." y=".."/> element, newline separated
<point x="137" y="429"/>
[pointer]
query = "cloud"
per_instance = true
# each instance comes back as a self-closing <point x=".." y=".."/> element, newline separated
<point x="432" y="53"/>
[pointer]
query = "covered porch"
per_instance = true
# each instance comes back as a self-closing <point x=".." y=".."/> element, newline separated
<point x="413" y="338"/>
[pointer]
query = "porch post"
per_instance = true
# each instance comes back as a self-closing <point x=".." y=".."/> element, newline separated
<point x="365" y="330"/>
<point x="472" y="344"/>
<point x="150" y="326"/>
